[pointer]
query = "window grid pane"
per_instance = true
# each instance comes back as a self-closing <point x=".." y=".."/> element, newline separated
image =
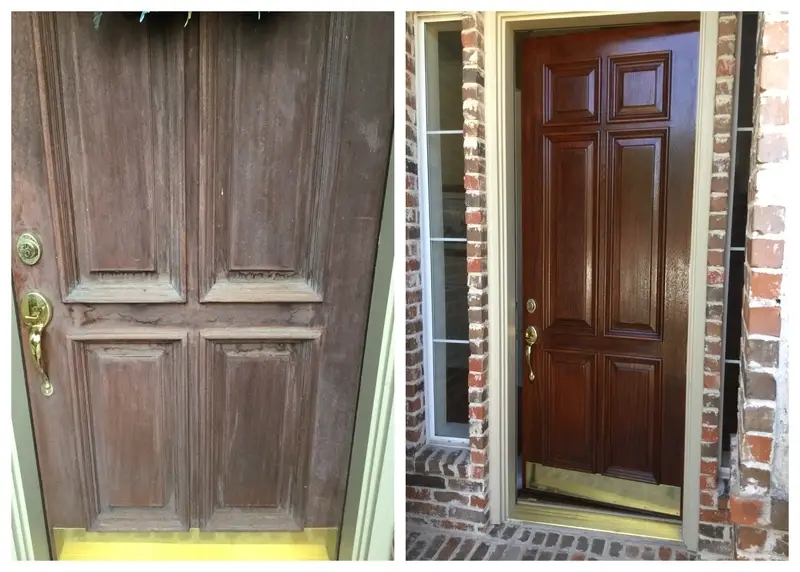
<point x="446" y="260"/>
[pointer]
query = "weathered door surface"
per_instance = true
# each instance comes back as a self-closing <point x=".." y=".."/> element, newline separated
<point x="608" y="149"/>
<point x="208" y="200"/>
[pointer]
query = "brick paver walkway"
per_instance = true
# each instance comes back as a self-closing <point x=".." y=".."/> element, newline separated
<point x="531" y="542"/>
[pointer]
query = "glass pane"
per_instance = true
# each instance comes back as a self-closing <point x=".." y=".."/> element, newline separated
<point x="451" y="389"/>
<point x="733" y="320"/>
<point x="446" y="195"/>
<point x="747" y="69"/>
<point x="448" y="271"/>
<point x="740" y="181"/>
<point x="443" y="79"/>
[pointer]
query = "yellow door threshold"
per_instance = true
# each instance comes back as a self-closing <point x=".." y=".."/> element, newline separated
<point x="310" y="544"/>
<point x="596" y="521"/>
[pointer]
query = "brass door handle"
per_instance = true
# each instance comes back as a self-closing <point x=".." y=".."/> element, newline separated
<point x="531" y="335"/>
<point x="36" y="314"/>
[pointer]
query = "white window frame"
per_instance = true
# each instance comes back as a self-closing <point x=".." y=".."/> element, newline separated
<point x="428" y="339"/>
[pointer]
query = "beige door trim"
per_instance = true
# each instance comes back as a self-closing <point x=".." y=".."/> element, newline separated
<point x="502" y="213"/>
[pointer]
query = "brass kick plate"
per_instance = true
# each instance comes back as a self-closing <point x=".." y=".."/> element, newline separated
<point x="659" y="499"/>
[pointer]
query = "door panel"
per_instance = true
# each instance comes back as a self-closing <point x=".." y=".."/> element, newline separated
<point x="208" y="200"/>
<point x="570" y="429"/>
<point x="263" y="246"/>
<point x="256" y="401"/>
<point x="130" y="390"/>
<point x="631" y="395"/>
<point x="607" y="160"/>
<point x="571" y="167"/>
<point x="636" y="228"/>
<point x="136" y="257"/>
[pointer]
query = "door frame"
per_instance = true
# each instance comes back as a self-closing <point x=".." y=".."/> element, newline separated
<point x="364" y="533"/>
<point x="503" y="211"/>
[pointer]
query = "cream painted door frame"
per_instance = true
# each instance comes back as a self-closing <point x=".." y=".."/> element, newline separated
<point x="503" y="211"/>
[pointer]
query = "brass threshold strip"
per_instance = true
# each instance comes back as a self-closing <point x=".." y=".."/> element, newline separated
<point x="596" y="521"/>
<point x="613" y="491"/>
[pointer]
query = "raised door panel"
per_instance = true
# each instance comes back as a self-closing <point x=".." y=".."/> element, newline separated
<point x="131" y="400"/>
<point x="632" y="418"/>
<point x="271" y="100"/>
<point x="570" y="206"/>
<point x="105" y="95"/>
<point x="637" y="208"/>
<point x="639" y="87"/>
<point x="569" y="410"/>
<point x="572" y="93"/>
<point x="256" y="406"/>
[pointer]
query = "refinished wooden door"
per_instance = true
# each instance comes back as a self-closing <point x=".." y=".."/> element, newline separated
<point x="207" y="199"/>
<point x="607" y="151"/>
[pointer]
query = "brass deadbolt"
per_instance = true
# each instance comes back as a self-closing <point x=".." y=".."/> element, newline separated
<point x="29" y="249"/>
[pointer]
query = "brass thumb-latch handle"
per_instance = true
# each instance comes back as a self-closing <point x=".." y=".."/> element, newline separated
<point x="531" y="335"/>
<point x="36" y="313"/>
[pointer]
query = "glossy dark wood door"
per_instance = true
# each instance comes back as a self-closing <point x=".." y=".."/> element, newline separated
<point x="208" y="199"/>
<point x="608" y="147"/>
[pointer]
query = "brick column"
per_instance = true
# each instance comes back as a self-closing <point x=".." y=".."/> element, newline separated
<point x="715" y="530"/>
<point x="759" y="494"/>
<point x="415" y="416"/>
<point x="446" y="486"/>
<point x="478" y="300"/>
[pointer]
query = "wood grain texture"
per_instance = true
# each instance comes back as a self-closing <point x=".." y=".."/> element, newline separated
<point x="636" y="211"/>
<point x="569" y="430"/>
<point x="161" y="345"/>
<point x="263" y="221"/>
<point x="605" y="240"/>
<point x="570" y="235"/>
<point x="120" y="223"/>
<point x="631" y="418"/>
<point x="572" y="92"/>
<point x="131" y="412"/>
<point x="256" y="405"/>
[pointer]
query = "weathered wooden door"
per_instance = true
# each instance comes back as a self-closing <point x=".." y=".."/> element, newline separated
<point x="207" y="199"/>
<point x="608" y="148"/>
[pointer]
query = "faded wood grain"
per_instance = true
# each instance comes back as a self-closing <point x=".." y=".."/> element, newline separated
<point x="171" y="295"/>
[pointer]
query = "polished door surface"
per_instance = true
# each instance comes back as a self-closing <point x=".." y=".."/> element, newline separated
<point x="607" y="160"/>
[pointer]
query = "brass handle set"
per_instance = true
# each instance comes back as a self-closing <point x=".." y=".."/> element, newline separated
<point x="36" y="309"/>
<point x="531" y="335"/>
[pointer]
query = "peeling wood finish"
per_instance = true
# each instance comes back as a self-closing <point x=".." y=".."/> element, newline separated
<point x="208" y="200"/>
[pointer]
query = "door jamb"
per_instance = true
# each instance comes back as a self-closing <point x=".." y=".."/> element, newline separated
<point x="366" y="532"/>
<point x="502" y="212"/>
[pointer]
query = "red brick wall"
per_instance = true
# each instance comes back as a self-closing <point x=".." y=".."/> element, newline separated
<point x="759" y="498"/>
<point x="715" y="529"/>
<point x="475" y="186"/>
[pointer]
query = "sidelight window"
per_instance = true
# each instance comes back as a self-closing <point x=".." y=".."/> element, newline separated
<point x="743" y="132"/>
<point x="443" y="231"/>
